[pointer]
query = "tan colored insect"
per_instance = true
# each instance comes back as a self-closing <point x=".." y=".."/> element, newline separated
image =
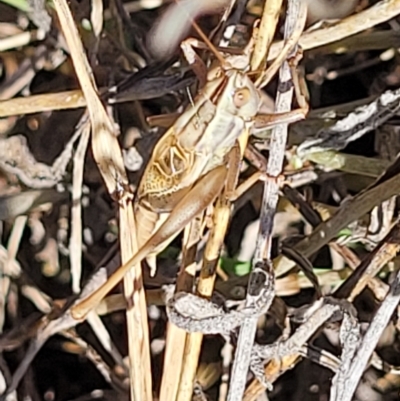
<point x="189" y="164"/>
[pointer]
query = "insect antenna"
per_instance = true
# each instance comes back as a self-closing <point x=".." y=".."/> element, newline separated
<point x="210" y="45"/>
<point x="203" y="36"/>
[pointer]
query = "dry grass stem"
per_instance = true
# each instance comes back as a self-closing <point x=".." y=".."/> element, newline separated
<point x="258" y="261"/>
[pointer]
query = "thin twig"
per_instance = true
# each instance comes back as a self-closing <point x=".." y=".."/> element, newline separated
<point x="207" y="278"/>
<point x="108" y="156"/>
<point x="369" y="342"/>
<point x="377" y="14"/>
<point x="12" y="249"/>
<point x="266" y="33"/>
<point x="176" y="337"/>
<point x="352" y="210"/>
<point x="270" y="199"/>
<point x="75" y="243"/>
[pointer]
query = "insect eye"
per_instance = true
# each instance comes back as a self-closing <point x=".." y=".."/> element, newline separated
<point x="241" y="97"/>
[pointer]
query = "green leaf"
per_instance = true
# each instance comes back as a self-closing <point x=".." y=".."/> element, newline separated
<point x="236" y="267"/>
<point x="21" y="5"/>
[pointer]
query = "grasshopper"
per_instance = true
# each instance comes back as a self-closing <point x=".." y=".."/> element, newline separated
<point x="190" y="163"/>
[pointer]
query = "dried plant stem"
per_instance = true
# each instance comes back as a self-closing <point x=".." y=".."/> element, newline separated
<point x="270" y="200"/>
<point x="108" y="156"/>
<point x="377" y="14"/>
<point x="266" y="33"/>
<point x="136" y="312"/>
<point x="364" y="275"/>
<point x="194" y="340"/>
<point x="6" y="273"/>
<point x="20" y="39"/>
<point x="273" y="370"/>
<point x="382" y="254"/>
<point x="351" y="211"/>
<point x="75" y="243"/>
<point x="177" y="337"/>
<point x="46" y="102"/>
<point x="369" y="342"/>
<point x="206" y="283"/>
